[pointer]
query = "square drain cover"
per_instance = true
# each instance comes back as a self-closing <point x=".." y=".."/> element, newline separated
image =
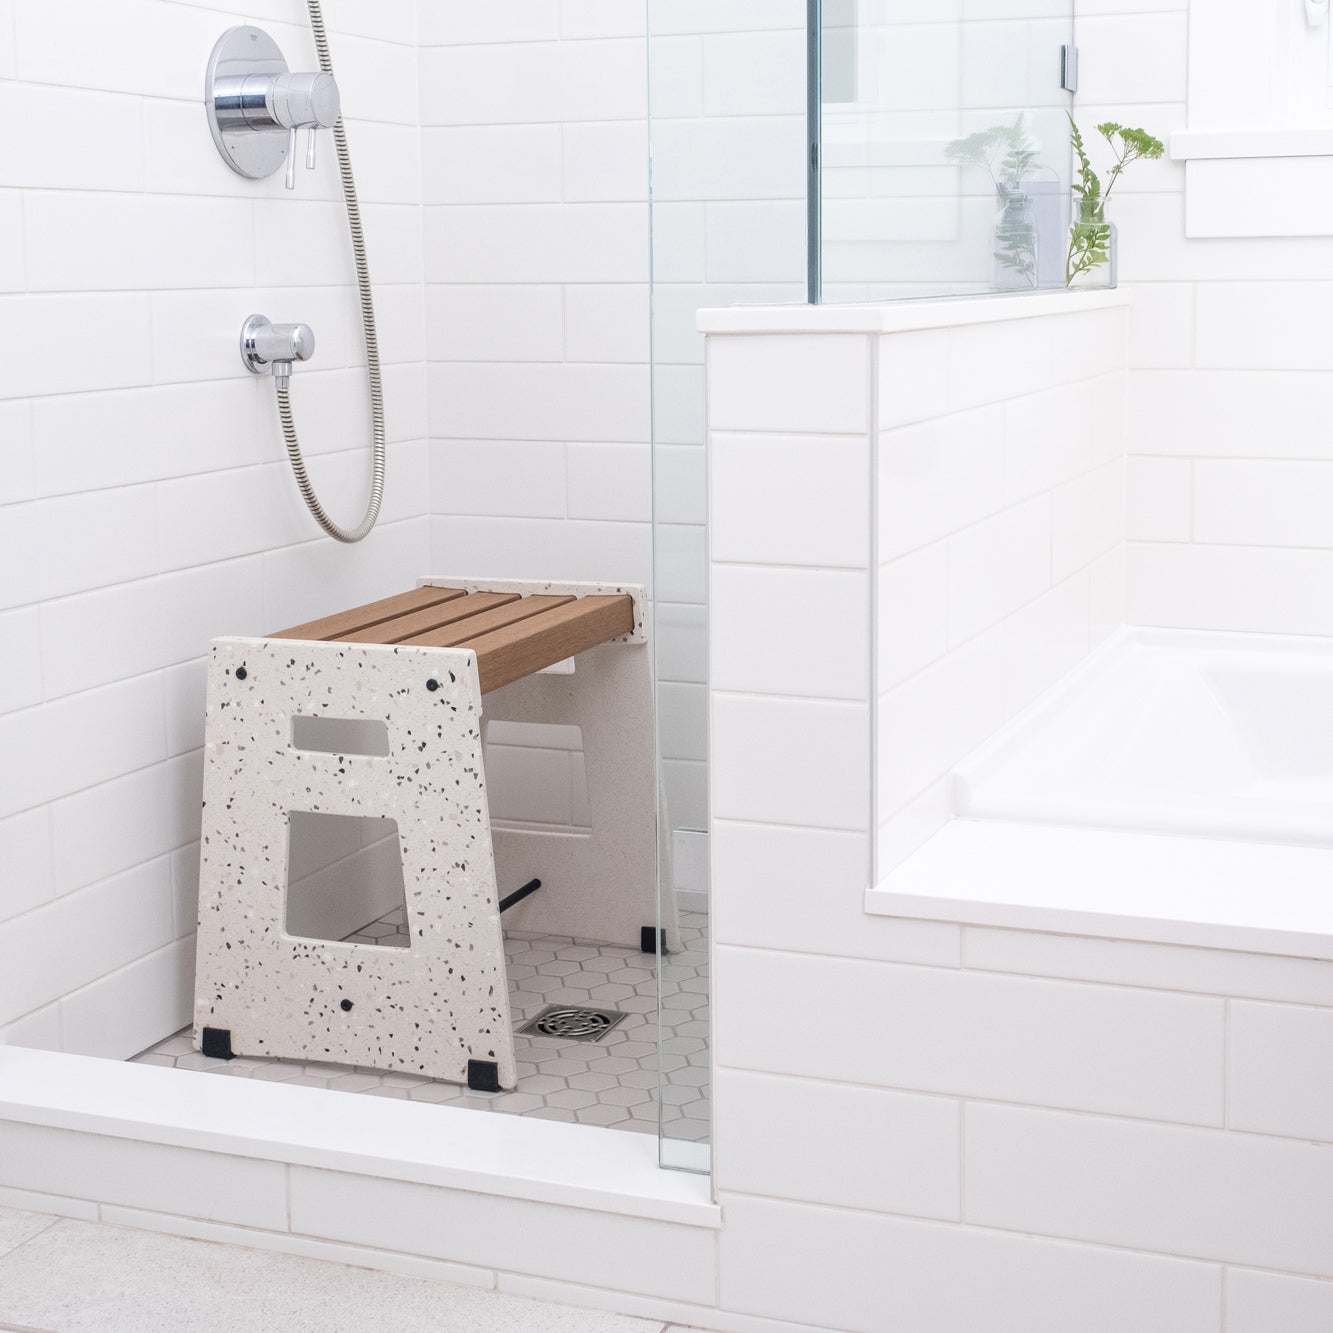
<point x="573" y="1022"/>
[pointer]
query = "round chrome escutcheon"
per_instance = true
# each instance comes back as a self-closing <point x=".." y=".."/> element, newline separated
<point x="243" y="62"/>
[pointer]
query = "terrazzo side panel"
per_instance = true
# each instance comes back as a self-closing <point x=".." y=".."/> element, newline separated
<point x="426" y="1009"/>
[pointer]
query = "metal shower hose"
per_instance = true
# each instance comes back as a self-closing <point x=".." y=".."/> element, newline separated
<point x="367" y="323"/>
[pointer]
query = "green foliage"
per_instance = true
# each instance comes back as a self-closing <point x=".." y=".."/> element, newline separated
<point x="1016" y="239"/>
<point x="1090" y="236"/>
<point x="1008" y="154"/>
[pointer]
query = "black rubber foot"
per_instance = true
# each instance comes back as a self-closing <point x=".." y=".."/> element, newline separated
<point x="216" y="1042"/>
<point x="650" y="938"/>
<point x="483" y="1076"/>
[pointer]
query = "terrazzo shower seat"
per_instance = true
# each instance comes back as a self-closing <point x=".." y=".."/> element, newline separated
<point x="414" y="668"/>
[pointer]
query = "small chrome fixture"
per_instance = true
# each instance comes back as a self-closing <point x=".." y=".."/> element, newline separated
<point x="266" y="345"/>
<point x="256" y="105"/>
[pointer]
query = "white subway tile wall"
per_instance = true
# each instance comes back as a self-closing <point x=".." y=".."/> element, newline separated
<point x="970" y="1129"/>
<point x="147" y="503"/>
<point x="501" y="159"/>
<point x="1118" y="1135"/>
<point x="535" y="153"/>
<point x="1001" y="482"/>
<point x="1231" y="362"/>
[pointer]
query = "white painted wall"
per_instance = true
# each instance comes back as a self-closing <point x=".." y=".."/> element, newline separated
<point x="145" y="500"/>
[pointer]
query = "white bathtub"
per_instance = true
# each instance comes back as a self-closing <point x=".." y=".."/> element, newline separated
<point x="1209" y="735"/>
<point x="1223" y="742"/>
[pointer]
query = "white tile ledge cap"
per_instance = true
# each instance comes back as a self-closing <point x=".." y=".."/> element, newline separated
<point x="901" y="316"/>
<point x="1192" y="144"/>
<point x="577" y="1166"/>
<point x="1243" y="896"/>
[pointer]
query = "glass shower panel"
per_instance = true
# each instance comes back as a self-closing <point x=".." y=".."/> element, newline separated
<point x="727" y="136"/>
<point x="943" y="147"/>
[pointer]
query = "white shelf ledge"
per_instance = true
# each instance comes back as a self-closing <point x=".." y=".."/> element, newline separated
<point x="1187" y="145"/>
<point x="1244" y="896"/>
<point x="901" y="316"/>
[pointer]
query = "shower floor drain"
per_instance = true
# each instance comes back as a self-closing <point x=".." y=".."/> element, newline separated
<point x="573" y="1022"/>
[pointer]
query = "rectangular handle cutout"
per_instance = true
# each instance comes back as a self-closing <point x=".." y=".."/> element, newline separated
<point x="341" y="735"/>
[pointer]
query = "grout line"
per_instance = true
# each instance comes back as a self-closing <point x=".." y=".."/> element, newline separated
<point x="1038" y="976"/>
<point x="962" y="1160"/>
<point x="1030" y="1233"/>
<point x="873" y="443"/>
<point x="1226" y="1064"/>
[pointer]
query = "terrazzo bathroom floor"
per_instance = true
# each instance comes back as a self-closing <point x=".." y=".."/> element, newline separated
<point x="64" y="1276"/>
<point x="611" y="1082"/>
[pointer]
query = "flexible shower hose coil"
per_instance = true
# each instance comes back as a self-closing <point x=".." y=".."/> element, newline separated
<point x="368" y="325"/>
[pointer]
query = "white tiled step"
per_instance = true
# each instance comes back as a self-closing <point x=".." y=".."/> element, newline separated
<point x="1254" y="897"/>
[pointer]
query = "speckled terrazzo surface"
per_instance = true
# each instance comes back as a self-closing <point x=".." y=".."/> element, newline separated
<point x="612" y="1082"/>
<point x="427" y="1009"/>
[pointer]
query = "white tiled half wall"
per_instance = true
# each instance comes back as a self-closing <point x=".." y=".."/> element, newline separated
<point x="1000" y="524"/>
<point x="963" y="1127"/>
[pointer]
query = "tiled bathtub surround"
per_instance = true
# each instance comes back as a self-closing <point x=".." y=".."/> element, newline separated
<point x="1001" y="494"/>
<point x="946" y="480"/>
<point x="967" y="1128"/>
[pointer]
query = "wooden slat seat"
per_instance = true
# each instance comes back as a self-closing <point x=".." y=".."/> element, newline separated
<point x="362" y="617"/>
<point x="512" y="636"/>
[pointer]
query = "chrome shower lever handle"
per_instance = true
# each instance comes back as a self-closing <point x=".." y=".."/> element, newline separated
<point x="309" y="148"/>
<point x="290" y="181"/>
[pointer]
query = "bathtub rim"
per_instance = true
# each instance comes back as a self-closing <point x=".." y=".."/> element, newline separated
<point x="1246" y="892"/>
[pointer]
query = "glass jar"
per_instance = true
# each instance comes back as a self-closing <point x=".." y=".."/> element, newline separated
<point x="1092" y="253"/>
<point x="1015" y="243"/>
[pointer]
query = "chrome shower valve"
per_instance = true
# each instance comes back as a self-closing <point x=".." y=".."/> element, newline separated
<point x="256" y="105"/>
<point x="265" y="344"/>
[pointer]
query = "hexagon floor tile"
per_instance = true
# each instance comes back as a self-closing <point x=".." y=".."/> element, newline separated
<point x="611" y="1082"/>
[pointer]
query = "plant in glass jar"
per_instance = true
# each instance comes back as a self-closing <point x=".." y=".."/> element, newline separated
<point x="1092" y="239"/>
<point x="1008" y="154"/>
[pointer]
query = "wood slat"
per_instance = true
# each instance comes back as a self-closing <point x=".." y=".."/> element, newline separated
<point x="402" y="628"/>
<point x="452" y="635"/>
<point x="509" y="654"/>
<point x="343" y="623"/>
